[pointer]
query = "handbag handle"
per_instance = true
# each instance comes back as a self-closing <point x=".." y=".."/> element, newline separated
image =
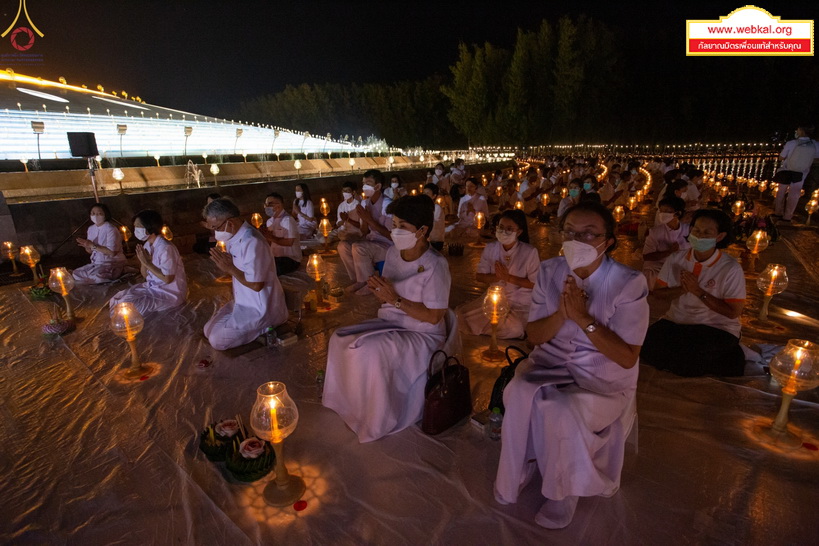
<point x="509" y="359"/>
<point x="443" y="371"/>
<point x="432" y="359"/>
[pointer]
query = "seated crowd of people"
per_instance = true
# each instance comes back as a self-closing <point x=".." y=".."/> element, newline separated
<point x="570" y="405"/>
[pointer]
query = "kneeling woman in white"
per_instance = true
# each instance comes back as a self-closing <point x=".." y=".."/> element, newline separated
<point x="258" y="299"/>
<point x="512" y="262"/>
<point x="567" y="406"/>
<point x="104" y="244"/>
<point x="166" y="285"/>
<point x="376" y="370"/>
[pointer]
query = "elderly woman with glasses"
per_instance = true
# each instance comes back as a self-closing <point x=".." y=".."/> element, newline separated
<point x="513" y="263"/>
<point x="570" y="405"/>
<point x="258" y="299"/>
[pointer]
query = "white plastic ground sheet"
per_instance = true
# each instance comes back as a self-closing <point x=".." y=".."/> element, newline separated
<point x="88" y="457"/>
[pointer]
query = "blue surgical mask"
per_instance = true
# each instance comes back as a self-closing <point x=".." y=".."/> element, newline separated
<point x="701" y="245"/>
<point x="587" y="186"/>
<point x="574" y="192"/>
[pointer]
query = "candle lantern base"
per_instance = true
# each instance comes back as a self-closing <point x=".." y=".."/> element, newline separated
<point x="477" y="244"/>
<point x="139" y="371"/>
<point x="493" y="355"/>
<point x="765" y="326"/>
<point x="286" y="494"/>
<point x="781" y="438"/>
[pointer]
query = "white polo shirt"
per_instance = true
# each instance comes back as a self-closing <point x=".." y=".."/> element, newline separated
<point x="720" y="275"/>
<point x="285" y="226"/>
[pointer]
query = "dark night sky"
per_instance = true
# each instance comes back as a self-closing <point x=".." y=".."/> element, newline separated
<point x="205" y="56"/>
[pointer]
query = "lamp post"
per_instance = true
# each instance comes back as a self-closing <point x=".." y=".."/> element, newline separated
<point x="297" y="166"/>
<point x="274" y="417"/>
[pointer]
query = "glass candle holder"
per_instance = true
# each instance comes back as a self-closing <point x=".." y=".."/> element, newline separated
<point x="772" y="281"/>
<point x="62" y="282"/>
<point x="495" y="308"/>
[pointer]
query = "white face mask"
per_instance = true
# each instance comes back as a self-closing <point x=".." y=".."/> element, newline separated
<point x="665" y="217"/>
<point x="299" y="194"/>
<point x="505" y="238"/>
<point x="223" y="236"/>
<point x="140" y="233"/>
<point x="393" y="185"/>
<point x="347" y="195"/>
<point x="98" y="220"/>
<point x="368" y="190"/>
<point x="579" y="254"/>
<point x="270" y="211"/>
<point x="403" y="239"/>
<point x="439" y="172"/>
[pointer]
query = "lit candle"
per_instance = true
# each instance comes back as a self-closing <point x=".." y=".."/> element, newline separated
<point x="495" y="298"/>
<point x="221" y="246"/>
<point x="63" y="291"/>
<point x="128" y="335"/>
<point x="275" y="433"/>
<point x="790" y="388"/>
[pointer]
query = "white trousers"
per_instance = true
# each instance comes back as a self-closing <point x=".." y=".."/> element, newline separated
<point x="359" y="258"/>
<point x="787" y="208"/>
<point x="145" y="299"/>
<point x="98" y="273"/>
<point x="223" y="336"/>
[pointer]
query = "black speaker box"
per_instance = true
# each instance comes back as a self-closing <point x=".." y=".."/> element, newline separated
<point x="83" y="144"/>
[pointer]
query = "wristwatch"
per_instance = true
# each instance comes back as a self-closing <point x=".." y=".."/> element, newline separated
<point x="591" y="327"/>
<point x="397" y="303"/>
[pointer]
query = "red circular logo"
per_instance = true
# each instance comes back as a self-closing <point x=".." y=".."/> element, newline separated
<point x="22" y="38"/>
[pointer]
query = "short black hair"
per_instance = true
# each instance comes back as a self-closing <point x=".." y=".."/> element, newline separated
<point x="104" y="208"/>
<point x="349" y="184"/>
<point x="694" y="173"/>
<point x="418" y="210"/>
<point x="432" y="187"/>
<point x="674" y="202"/>
<point x="151" y="221"/>
<point x="376" y="175"/>
<point x="519" y="218"/>
<point x="275" y="195"/>
<point x="675" y="185"/>
<point x="723" y="221"/>
<point x="808" y="128"/>
<point x="595" y="208"/>
<point x="214" y="196"/>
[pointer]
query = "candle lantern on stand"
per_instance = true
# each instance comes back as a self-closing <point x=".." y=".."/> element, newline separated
<point x="756" y="243"/>
<point x="317" y="269"/>
<point x="167" y="233"/>
<point x="30" y="256"/>
<point x="479" y="221"/>
<point x="127" y="322"/>
<point x="796" y="368"/>
<point x="326" y="228"/>
<point x="274" y="417"/>
<point x="631" y="203"/>
<point x="810" y="208"/>
<point x="257" y="220"/>
<point x="519" y="205"/>
<point x="11" y="251"/>
<point x="499" y="191"/>
<point x="772" y="281"/>
<point x="495" y="308"/>
<point x="618" y="213"/>
<point x="62" y="282"/>
<point x="564" y="192"/>
<point x="738" y="207"/>
<point x="126" y="236"/>
<point x="324" y="207"/>
<point x="544" y="199"/>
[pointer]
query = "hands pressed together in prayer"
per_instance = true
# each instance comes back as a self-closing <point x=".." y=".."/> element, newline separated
<point x="383" y="289"/>
<point x="573" y="303"/>
<point x="143" y="256"/>
<point x="502" y="272"/>
<point x="223" y="260"/>
<point x="690" y="284"/>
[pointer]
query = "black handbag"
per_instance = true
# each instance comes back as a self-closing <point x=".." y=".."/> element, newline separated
<point x="506" y="375"/>
<point x="787" y="177"/>
<point x="447" y="396"/>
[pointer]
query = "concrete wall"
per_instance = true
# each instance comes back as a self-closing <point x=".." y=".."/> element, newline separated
<point x="48" y="223"/>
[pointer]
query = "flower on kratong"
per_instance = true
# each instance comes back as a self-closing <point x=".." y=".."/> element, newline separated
<point x="251" y="448"/>
<point x="227" y="428"/>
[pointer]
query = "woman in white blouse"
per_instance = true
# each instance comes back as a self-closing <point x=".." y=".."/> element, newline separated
<point x="104" y="244"/>
<point x="303" y="211"/>
<point x="512" y="262"/>
<point x="166" y="285"/>
<point x="376" y="370"/>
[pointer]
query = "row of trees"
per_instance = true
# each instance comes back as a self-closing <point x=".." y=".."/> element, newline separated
<point x="575" y="80"/>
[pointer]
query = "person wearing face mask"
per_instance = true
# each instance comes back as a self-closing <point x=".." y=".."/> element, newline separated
<point x="589" y="184"/>
<point x="573" y="198"/>
<point x="798" y="156"/>
<point x="166" y="285"/>
<point x="529" y="190"/>
<point x="395" y="190"/>
<point x="664" y="239"/>
<point x="458" y="173"/>
<point x="436" y="236"/>
<point x="700" y="333"/>
<point x="303" y="211"/>
<point x="512" y="262"/>
<point x="104" y="244"/>
<point x="359" y="257"/>
<point x="569" y="407"/>
<point x="510" y="196"/>
<point x="468" y="206"/>
<point x="283" y="233"/>
<point x="443" y="180"/>
<point x="348" y="224"/>
<point x="377" y="370"/>
<point x="258" y="299"/>
<point x="494" y="184"/>
<point x="692" y="193"/>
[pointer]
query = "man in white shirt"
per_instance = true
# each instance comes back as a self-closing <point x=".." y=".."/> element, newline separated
<point x="258" y="299"/>
<point x="797" y="155"/>
<point x="283" y="234"/>
<point x="360" y="257"/>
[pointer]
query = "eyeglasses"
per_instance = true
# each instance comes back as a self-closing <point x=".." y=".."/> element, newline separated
<point x="217" y="228"/>
<point x="585" y="236"/>
<point x="506" y="231"/>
